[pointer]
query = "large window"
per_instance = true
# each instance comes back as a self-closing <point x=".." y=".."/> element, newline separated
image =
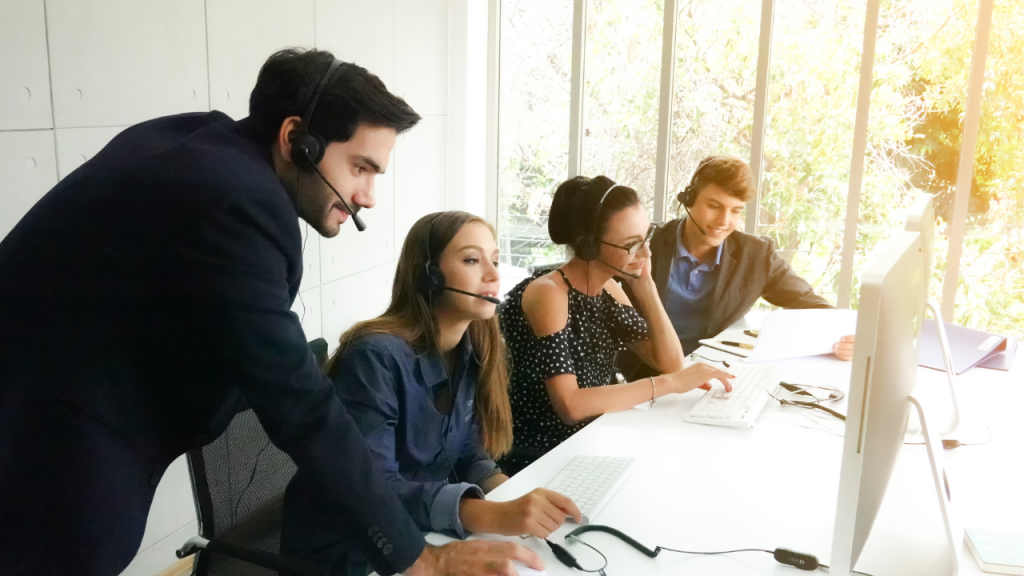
<point x="623" y="64"/>
<point x="533" y="119"/>
<point x="920" y="86"/>
<point x="713" y="97"/>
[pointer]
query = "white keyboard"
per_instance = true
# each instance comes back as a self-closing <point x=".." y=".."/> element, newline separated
<point x="590" y="482"/>
<point x="741" y="407"/>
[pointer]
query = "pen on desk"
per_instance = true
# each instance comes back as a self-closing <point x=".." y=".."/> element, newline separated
<point x="737" y="344"/>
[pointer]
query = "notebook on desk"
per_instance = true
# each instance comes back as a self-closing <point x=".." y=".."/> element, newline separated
<point x="968" y="347"/>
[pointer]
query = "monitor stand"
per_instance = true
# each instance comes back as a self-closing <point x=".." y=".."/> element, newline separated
<point x="953" y="529"/>
<point x="951" y="423"/>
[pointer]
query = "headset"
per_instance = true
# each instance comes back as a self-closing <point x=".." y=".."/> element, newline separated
<point x="588" y="248"/>
<point x="309" y="147"/>
<point x="431" y="280"/>
<point x="688" y="196"/>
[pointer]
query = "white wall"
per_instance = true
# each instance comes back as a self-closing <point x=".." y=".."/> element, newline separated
<point x="73" y="73"/>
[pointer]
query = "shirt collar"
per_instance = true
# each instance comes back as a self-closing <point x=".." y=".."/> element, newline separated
<point x="430" y="362"/>
<point x="682" y="252"/>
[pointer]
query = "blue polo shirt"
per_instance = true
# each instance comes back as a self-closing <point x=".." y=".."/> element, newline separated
<point x="390" y="392"/>
<point x="688" y="295"/>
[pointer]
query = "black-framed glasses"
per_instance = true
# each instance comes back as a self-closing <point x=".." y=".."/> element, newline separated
<point x="635" y="247"/>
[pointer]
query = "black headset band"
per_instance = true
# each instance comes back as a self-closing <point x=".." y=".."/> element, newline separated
<point x="319" y="90"/>
<point x="689" y="194"/>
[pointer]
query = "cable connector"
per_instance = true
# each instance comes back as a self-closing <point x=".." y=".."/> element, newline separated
<point x="796" y="559"/>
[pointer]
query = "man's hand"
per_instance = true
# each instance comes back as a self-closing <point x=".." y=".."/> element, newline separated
<point x="844" y="348"/>
<point x="473" y="558"/>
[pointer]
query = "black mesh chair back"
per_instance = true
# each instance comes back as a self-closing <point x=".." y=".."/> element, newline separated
<point x="239" y="481"/>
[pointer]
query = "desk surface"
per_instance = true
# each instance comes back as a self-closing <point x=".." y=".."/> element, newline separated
<point x="707" y="488"/>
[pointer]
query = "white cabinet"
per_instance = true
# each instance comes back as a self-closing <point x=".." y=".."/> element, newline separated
<point x="28" y="169"/>
<point x="352" y="251"/>
<point x="24" y="73"/>
<point x="242" y="36"/>
<point x="310" y="256"/>
<point x="309" y="310"/>
<point x="360" y="32"/>
<point x="421" y="54"/>
<point x="359" y="297"/>
<point x="118" y="62"/>
<point x="76" y="145"/>
<point x="420" y="174"/>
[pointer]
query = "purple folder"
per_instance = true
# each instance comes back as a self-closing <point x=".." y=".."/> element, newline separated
<point x="967" y="346"/>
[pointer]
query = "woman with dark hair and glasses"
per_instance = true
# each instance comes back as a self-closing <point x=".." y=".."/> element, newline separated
<point x="564" y="326"/>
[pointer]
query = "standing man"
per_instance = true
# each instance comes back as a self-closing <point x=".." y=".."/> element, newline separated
<point x="149" y="293"/>
<point x="708" y="274"/>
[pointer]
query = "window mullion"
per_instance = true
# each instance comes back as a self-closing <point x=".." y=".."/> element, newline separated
<point x="965" y="169"/>
<point x="860" y="135"/>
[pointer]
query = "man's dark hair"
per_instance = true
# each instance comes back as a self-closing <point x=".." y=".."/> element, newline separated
<point x="288" y="80"/>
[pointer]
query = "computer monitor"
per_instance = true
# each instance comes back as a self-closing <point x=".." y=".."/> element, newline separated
<point x="882" y="377"/>
<point x="921" y="219"/>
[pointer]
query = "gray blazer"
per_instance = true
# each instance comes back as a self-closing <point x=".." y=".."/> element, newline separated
<point x="750" y="269"/>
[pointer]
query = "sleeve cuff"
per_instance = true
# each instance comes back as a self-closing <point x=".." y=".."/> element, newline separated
<point x="480" y="471"/>
<point x="444" y="511"/>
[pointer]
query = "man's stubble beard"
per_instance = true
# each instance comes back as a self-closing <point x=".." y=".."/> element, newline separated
<point x="313" y="202"/>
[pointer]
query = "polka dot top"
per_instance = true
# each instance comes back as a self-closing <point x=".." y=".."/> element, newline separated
<point x="597" y="328"/>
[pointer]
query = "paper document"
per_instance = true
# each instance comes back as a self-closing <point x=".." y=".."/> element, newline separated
<point x="798" y="333"/>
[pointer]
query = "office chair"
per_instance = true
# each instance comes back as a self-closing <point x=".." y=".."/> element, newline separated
<point x="238" y="482"/>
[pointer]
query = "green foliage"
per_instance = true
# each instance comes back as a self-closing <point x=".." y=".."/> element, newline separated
<point x="920" y="73"/>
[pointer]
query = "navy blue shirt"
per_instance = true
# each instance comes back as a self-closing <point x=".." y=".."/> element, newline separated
<point x="390" y="392"/>
<point x="688" y="298"/>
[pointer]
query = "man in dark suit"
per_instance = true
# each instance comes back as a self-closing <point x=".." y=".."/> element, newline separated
<point x="148" y="294"/>
<point x="709" y="274"/>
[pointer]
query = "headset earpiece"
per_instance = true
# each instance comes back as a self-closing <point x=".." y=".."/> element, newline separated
<point x="688" y="196"/>
<point x="431" y="281"/>
<point x="587" y="248"/>
<point x="308" y="149"/>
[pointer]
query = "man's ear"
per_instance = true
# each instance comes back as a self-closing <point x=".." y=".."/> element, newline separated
<point x="286" y="136"/>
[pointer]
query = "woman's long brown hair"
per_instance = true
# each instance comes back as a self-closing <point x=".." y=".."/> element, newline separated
<point x="409" y="317"/>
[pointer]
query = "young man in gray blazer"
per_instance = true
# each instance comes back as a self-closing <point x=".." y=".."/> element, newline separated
<point x="709" y="274"/>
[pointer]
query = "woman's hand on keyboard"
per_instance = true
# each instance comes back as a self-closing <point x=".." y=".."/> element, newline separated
<point x="697" y="375"/>
<point x="538" y="513"/>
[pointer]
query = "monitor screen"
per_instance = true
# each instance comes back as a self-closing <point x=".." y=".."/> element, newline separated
<point x="882" y="376"/>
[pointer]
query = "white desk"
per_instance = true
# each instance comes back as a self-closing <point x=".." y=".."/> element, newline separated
<point x="707" y="488"/>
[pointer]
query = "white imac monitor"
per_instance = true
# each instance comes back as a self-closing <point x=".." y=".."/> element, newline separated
<point x="921" y="219"/>
<point x="882" y="377"/>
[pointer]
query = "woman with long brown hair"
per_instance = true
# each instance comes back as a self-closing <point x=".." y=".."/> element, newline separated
<point x="426" y="382"/>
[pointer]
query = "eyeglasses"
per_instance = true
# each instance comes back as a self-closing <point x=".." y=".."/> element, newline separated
<point x="635" y="247"/>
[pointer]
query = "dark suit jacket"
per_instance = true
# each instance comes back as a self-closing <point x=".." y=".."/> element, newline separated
<point x="140" y="300"/>
<point x="750" y="269"/>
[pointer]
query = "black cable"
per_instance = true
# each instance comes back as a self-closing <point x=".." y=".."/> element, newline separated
<point x="807" y="405"/>
<point x="813" y="405"/>
<point x="252" y="476"/>
<point x="662" y="548"/>
<point x="722" y="362"/>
